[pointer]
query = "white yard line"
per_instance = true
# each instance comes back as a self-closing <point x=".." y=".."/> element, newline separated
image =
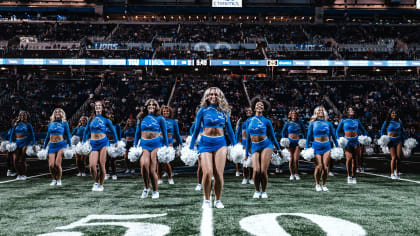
<point x="206" y="228"/>
<point x="389" y="177"/>
<point x="34" y="176"/>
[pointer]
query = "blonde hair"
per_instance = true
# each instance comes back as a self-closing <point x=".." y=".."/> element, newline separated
<point x="63" y="117"/>
<point x="315" y="116"/>
<point x="221" y="99"/>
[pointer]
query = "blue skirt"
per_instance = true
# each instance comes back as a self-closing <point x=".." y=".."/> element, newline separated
<point x="99" y="144"/>
<point x="211" y="144"/>
<point x="321" y="147"/>
<point x="353" y="142"/>
<point x="394" y="141"/>
<point x="260" y="146"/>
<point x="55" y="147"/>
<point x="151" y="144"/>
<point x="293" y="142"/>
<point x="21" y="143"/>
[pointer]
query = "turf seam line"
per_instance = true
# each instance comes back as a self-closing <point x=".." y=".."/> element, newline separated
<point x="34" y="176"/>
<point x="407" y="180"/>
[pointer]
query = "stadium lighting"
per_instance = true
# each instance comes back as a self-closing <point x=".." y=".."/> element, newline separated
<point x="377" y="70"/>
<point x="196" y="69"/>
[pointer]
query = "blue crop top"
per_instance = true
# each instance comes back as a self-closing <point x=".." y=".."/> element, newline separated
<point x="23" y="128"/>
<point x="320" y="128"/>
<point x="173" y="129"/>
<point x="58" y="128"/>
<point x="259" y="126"/>
<point x="130" y="131"/>
<point x="117" y="128"/>
<point x="98" y="125"/>
<point x="154" y="124"/>
<point x="293" y="127"/>
<point x="211" y="117"/>
<point x="393" y="127"/>
<point x="349" y="124"/>
<point x="239" y="130"/>
<point x="79" y="131"/>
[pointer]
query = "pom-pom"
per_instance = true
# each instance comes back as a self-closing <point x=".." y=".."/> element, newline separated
<point x="68" y="153"/>
<point x="75" y="140"/>
<point x="369" y="151"/>
<point x="406" y="152"/>
<point x="85" y="148"/>
<point x="117" y="150"/>
<point x="342" y="142"/>
<point x="31" y="152"/>
<point x="188" y="156"/>
<point x="237" y="153"/>
<point x="166" y="154"/>
<point x="364" y="140"/>
<point x="383" y="140"/>
<point x="337" y="153"/>
<point x="43" y="154"/>
<point x="276" y="159"/>
<point x="285" y="154"/>
<point x="385" y="149"/>
<point x="410" y="143"/>
<point x="134" y="153"/>
<point x="3" y="146"/>
<point x="11" y="147"/>
<point x="285" y="142"/>
<point x="307" y="154"/>
<point x="247" y="163"/>
<point x="302" y="143"/>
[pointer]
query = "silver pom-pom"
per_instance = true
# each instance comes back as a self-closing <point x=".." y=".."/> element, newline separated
<point x="342" y="142"/>
<point x="364" y="140"/>
<point x="3" y="146"/>
<point x="11" y="147"/>
<point x="134" y="153"/>
<point x="285" y="154"/>
<point x="85" y="148"/>
<point x="117" y="150"/>
<point x="75" y="140"/>
<point x="302" y="143"/>
<point x="410" y="143"/>
<point x="31" y="152"/>
<point x="188" y="156"/>
<point x="385" y="149"/>
<point x="68" y="153"/>
<point x="247" y="163"/>
<point x="43" y="154"/>
<point x="406" y="152"/>
<point x="166" y="154"/>
<point x="285" y="142"/>
<point x="337" y="153"/>
<point x="383" y="140"/>
<point x="276" y="159"/>
<point x="308" y="154"/>
<point x="121" y="148"/>
<point x="237" y="153"/>
<point x="369" y="151"/>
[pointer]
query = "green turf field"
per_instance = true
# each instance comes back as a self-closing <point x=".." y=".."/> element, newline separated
<point x="379" y="205"/>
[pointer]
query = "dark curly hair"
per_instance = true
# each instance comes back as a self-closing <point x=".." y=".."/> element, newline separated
<point x="267" y="105"/>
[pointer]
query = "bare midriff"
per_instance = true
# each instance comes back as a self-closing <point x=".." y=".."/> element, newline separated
<point x="97" y="136"/>
<point x="393" y="134"/>
<point x="213" y="132"/>
<point x="149" y="135"/>
<point x="259" y="138"/>
<point x="20" y="136"/>
<point x="321" y="139"/>
<point x="294" y="136"/>
<point x="129" y="138"/>
<point x="56" y="138"/>
<point x="350" y="134"/>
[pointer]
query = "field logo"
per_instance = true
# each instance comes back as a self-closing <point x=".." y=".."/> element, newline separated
<point x="267" y="225"/>
<point x="133" y="228"/>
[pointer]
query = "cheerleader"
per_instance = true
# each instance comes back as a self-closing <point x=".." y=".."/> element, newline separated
<point x="58" y="129"/>
<point x="173" y="132"/>
<point x="96" y="129"/>
<point x="350" y="126"/>
<point x="149" y="125"/>
<point x="24" y="135"/>
<point x="259" y="144"/>
<point x="129" y="132"/>
<point x="320" y="130"/>
<point x="10" y="167"/>
<point x="240" y="135"/>
<point x="214" y="117"/>
<point x="79" y="131"/>
<point x="393" y="127"/>
<point x="112" y="162"/>
<point x="293" y="130"/>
